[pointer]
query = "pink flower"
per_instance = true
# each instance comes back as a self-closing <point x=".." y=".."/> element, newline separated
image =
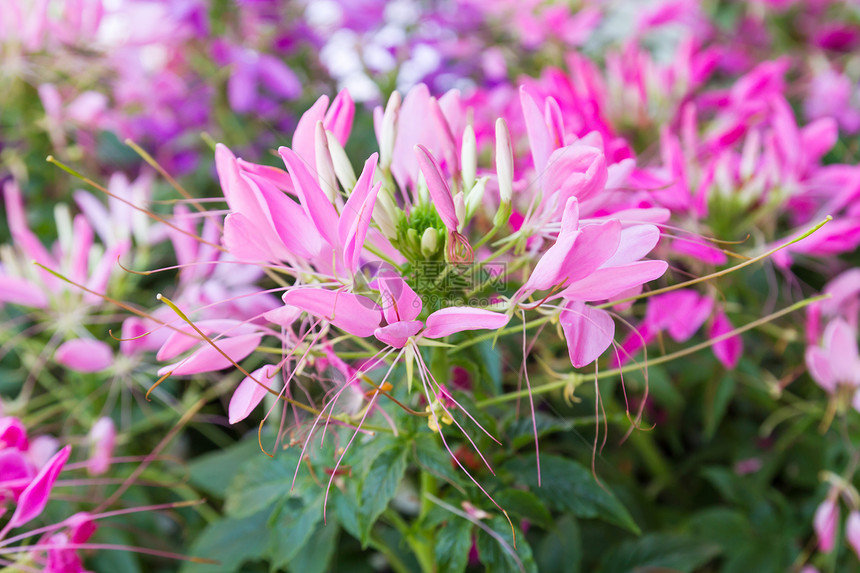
<point x="102" y="438"/>
<point x="835" y="363"/>
<point x="825" y="522"/>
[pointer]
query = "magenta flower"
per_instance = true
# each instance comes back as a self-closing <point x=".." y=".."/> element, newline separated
<point x="825" y="523"/>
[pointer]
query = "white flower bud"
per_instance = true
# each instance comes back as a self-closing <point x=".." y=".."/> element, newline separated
<point x="388" y="132"/>
<point x="504" y="161"/>
<point x="469" y="157"/>
<point x="340" y="162"/>
<point x="325" y="166"/>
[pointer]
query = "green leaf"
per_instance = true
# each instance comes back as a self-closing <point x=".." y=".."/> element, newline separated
<point x="717" y="398"/>
<point x="315" y="556"/>
<point x="260" y="485"/>
<point x="453" y="542"/>
<point x="433" y="458"/>
<point x="230" y="542"/>
<point x="568" y="486"/>
<point x="213" y="472"/>
<point x="292" y="528"/>
<point x="346" y="508"/>
<point x="675" y="552"/>
<point x="526" y="505"/>
<point x="560" y="551"/>
<point x="521" y="429"/>
<point x="497" y="552"/>
<point x="379" y="487"/>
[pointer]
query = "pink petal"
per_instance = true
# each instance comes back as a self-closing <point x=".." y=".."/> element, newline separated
<point x="102" y="438"/>
<point x="606" y="283"/>
<point x="338" y="119"/>
<point x="208" y="359"/>
<point x="82" y="242"/>
<point x="540" y="141"/>
<point x="588" y="331"/>
<point x="303" y="136"/>
<point x="440" y="193"/>
<point x="729" y="351"/>
<point x="818" y="364"/>
<point x="398" y="333"/>
<point x="841" y="344"/>
<point x="243" y="240"/>
<point x="688" y="316"/>
<point x="249" y="394"/>
<point x="283" y="316"/>
<point x="399" y="301"/>
<point x="19" y="291"/>
<point x="185" y="337"/>
<point x="13" y="434"/>
<point x="356" y="314"/>
<point x="459" y="318"/>
<point x="356" y="215"/>
<point x="313" y="198"/>
<point x="576" y="171"/>
<point x="852" y="531"/>
<point x="825" y="522"/>
<point x="244" y="197"/>
<point x="35" y="496"/>
<point x="636" y="242"/>
<point x="85" y="355"/>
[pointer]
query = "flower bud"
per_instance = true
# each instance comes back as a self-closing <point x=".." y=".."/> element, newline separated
<point x="460" y="210"/>
<point x="475" y="195"/>
<point x="469" y="157"/>
<point x="503" y="215"/>
<point x="340" y="162"/>
<point x="504" y="161"/>
<point x="852" y="531"/>
<point x="824" y="522"/>
<point x="102" y="439"/>
<point x="325" y="166"/>
<point x="429" y="242"/>
<point x="388" y="133"/>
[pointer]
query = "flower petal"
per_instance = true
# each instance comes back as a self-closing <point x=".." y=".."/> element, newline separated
<point x="356" y="314"/>
<point x="459" y="318"/>
<point x="85" y="355"/>
<point x="35" y="496"/>
<point x="249" y="394"/>
<point x="588" y="331"/>
<point x="398" y="333"/>
<point x="208" y="359"/>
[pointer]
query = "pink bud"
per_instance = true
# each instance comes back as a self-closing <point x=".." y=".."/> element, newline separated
<point x="824" y="522"/>
<point x="102" y="439"/>
<point x="852" y="531"/>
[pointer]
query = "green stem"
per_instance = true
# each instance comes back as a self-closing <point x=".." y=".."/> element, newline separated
<point x="651" y="362"/>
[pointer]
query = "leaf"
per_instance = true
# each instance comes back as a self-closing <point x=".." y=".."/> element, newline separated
<point x="498" y="554"/>
<point x="430" y="455"/>
<point x="260" y="485"/>
<point x="727" y="527"/>
<point x="526" y="505"/>
<point x="453" y="542"/>
<point x="717" y="400"/>
<point x="213" y="472"/>
<point x="292" y="528"/>
<point x="521" y="429"/>
<point x="231" y="542"/>
<point x="560" y="551"/>
<point x="379" y="487"/>
<point x="568" y="486"/>
<point x="315" y="556"/>
<point x="346" y="509"/>
<point x="674" y="552"/>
